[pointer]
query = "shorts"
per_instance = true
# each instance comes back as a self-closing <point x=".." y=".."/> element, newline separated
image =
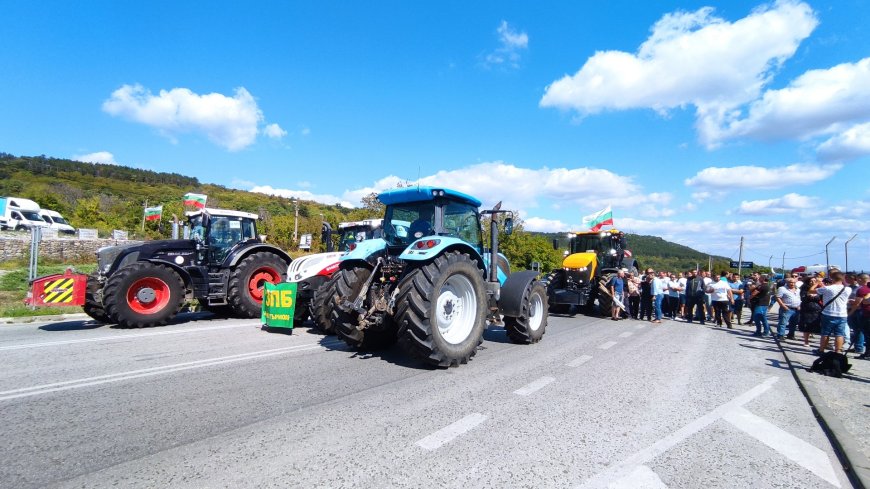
<point x="682" y="299"/>
<point x="833" y="326"/>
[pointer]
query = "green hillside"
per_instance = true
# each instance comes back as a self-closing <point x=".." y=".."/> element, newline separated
<point x="108" y="197"/>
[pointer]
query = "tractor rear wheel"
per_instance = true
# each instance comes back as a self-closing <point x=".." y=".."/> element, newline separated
<point x="247" y="280"/>
<point x="605" y="301"/>
<point x="530" y="325"/>
<point x="143" y="294"/>
<point x="441" y="310"/>
<point x="321" y="307"/>
<point x="92" y="307"/>
<point x="348" y="284"/>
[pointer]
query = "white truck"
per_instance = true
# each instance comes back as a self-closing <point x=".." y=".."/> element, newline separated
<point x="20" y="214"/>
<point x="56" y="221"/>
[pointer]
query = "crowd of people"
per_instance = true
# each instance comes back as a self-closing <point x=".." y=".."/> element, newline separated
<point x="836" y="308"/>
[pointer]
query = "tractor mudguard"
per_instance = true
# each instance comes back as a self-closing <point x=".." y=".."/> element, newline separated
<point x="510" y="302"/>
<point x="442" y="244"/>
<point x="364" y="249"/>
<point x="185" y="276"/>
<point x="239" y="254"/>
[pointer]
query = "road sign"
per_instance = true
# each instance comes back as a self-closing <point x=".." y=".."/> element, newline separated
<point x="746" y="264"/>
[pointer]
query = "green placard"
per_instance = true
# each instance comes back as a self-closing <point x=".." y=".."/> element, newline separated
<point x="279" y="304"/>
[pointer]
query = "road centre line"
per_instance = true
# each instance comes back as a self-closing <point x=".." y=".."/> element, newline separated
<point x="450" y="432"/>
<point x="126" y="336"/>
<point x="165" y="369"/>
<point x="628" y="465"/>
<point x="534" y="386"/>
<point x="579" y="361"/>
<point x="608" y="345"/>
<point x="626" y="334"/>
<point x="804" y="454"/>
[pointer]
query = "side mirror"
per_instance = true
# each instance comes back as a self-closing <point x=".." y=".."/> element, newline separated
<point x="508" y="226"/>
<point x="555" y="244"/>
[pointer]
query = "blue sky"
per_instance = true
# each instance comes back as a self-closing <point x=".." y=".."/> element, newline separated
<point x="697" y="121"/>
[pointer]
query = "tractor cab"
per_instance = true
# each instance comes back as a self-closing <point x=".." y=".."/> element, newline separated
<point x="356" y="231"/>
<point x="217" y="231"/>
<point x="584" y="246"/>
<point x="416" y="213"/>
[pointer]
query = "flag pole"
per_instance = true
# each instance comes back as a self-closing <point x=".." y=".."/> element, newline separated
<point x="143" y="215"/>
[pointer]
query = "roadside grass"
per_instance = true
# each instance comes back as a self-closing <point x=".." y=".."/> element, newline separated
<point x="14" y="287"/>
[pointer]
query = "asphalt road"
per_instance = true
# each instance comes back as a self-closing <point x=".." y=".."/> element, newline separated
<point x="221" y="403"/>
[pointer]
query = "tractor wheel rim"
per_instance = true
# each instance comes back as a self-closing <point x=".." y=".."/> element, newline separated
<point x="536" y="312"/>
<point x="258" y="281"/>
<point x="148" y="295"/>
<point x="456" y="309"/>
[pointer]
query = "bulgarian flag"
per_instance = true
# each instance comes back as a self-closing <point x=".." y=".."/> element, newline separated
<point x="153" y="213"/>
<point x="595" y="221"/>
<point x="196" y="200"/>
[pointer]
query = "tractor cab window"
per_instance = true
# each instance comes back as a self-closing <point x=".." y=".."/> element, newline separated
<point x="586" y="243"/>
<point x="354" y="235"/>
<point x="461" y="221"/>
<point x="197" y="228"/>
<point x="406" y="223"/>
<point x="225" y="232"/>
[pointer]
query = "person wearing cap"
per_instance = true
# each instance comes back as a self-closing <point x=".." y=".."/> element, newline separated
<point x="835" y="298"/>
<point x="619" y="244"/>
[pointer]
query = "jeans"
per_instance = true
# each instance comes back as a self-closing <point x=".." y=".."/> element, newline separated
<point x="856" y="323"/>
<point x="759" y="317"/>
<point x="723" y="314"/>
<point x="659" y="298"/>
<point x="789" y="318"/>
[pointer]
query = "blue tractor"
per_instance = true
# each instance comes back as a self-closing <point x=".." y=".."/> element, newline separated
<point x="430" y="284"/>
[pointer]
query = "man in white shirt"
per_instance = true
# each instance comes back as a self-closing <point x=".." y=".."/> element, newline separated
<point x="835" y="298"/>
<point x="721" y="298"/>
<point x="682" y="288"/>
<point x="789" y="299"/>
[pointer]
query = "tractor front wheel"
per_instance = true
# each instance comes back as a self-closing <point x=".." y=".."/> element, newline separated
<point x="248" y="279"/>
<point x="92" y="307"/>
<point x="530" y="325"/>
<point x="321" y="307"/>
<point x="441" y="310"/>
<point x="143" y="294"/>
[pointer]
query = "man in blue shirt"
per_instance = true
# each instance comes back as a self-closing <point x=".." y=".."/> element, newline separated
<point x="658" y="292"/>
<point x="616" y="285"/>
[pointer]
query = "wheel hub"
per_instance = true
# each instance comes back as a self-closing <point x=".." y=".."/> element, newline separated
<point x="146" y="295"/>
<point x="455" y="309"/>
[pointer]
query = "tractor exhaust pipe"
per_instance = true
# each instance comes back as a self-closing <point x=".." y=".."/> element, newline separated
<point x="493" y="240"/>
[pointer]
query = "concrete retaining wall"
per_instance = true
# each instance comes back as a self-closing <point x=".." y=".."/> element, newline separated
<point x="16" y="246"/>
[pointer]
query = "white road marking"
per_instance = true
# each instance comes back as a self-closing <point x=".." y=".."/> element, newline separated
<point x="535" y="386"/>
<point x="126" y="336"/>
<point x="605" y="346"/>
<point x="626" y="334"/>
<point x="450" y="432"/>
<point x="627" y="466"/>
<point x="147" y="372"/>
<point x="642" y="477"/>
<point x="579" y="361"/>
<point x="799" y="451"/>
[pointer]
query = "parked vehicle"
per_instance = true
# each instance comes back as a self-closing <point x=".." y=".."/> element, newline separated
<point x="430" y="284"/>
<point x="56" y="221"/>
<point x="20" y="214"/>
<point x="223" y="265"/>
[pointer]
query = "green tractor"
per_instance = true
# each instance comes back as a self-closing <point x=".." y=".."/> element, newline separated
<point x="430" y="284"/>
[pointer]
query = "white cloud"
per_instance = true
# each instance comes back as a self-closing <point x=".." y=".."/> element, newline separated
<point x="103" y="157"/>
<point x="511" y="42"/>
<point x="386" y="183"/>
<point x="230" y="122"/>
<point x="757" y="177"/>
<point x="274" y="131"/>
<point x="850" y="144"/>
<point x="541" y="225"/>
<point x="788" y="203"/>
<point x="817" y="102"/>
<point x="690" y="58"/>
<point x="302" y="195"/>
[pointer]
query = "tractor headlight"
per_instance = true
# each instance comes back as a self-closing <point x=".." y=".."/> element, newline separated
<point x="612" y="251"/>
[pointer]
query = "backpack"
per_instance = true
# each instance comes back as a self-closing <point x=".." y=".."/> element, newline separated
<point x="831" y="364"/>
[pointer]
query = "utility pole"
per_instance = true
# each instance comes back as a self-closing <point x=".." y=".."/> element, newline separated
<point x="740" y="260"/>
<point x="296" y="221"/>
<point x="783" y="262"/>
<point x="770" y="264"/>
<point x="847" y="251"/>
<point x="710" y="264"/>
<point x="828" y="257"/>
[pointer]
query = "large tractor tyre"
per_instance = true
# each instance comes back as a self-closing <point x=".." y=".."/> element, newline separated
<point x="92" y="306"/>
<point x="143" y="294"/>
<point x="605" y="301"/>
<point x="348" y="284"/>
<point x="247" y="280"/>
<point x="441" y="310"/>
<point x="530" y="325"/>
<point x="553" y="281"/>
<point x="321" y="305"/>
<point x="300" y="314"/>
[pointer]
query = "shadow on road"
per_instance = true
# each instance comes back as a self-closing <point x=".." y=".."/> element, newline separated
<point x="183" y="318"/>
<point x="392" y="354"/>
<point x="72" y="326"/>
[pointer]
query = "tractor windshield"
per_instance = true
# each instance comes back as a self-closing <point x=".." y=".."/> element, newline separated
<point x="355" y="234"/>
<point x="405" y="223"/>
<point x="461" y="221"/>
<point x="197" y="228"/>
<point x="587" y="242"/>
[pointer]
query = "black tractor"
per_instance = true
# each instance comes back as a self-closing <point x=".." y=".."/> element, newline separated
<point x="222" y="263"/>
